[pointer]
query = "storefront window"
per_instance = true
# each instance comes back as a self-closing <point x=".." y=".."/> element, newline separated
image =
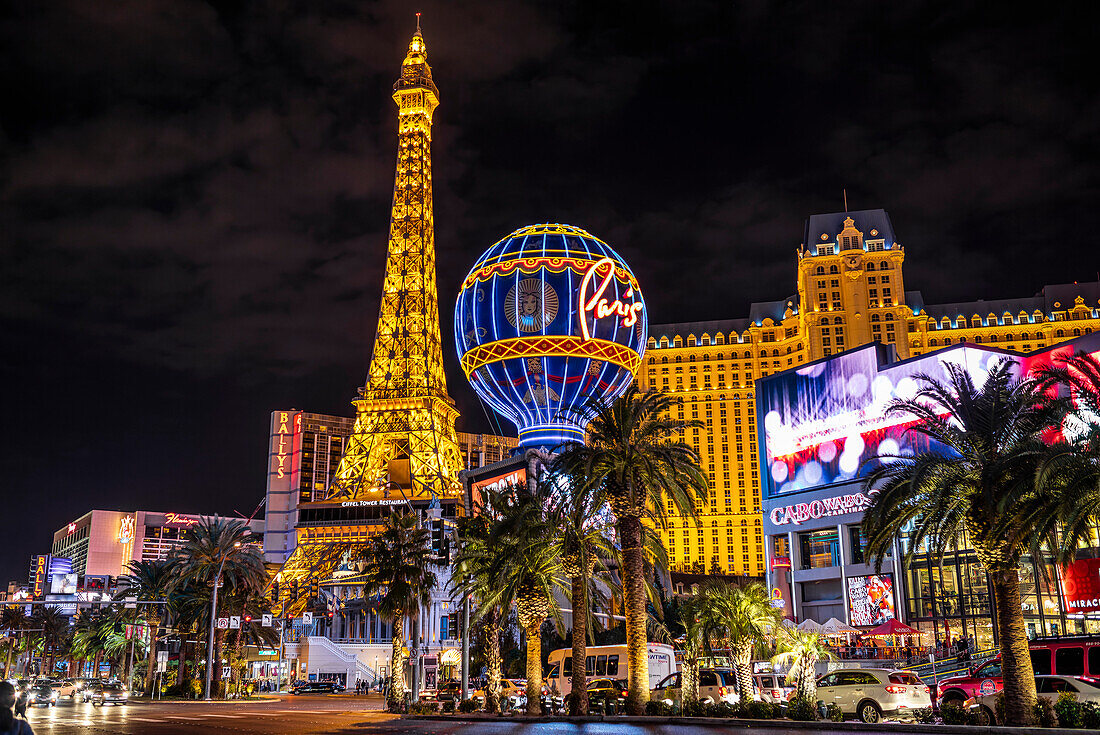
<point x="779" y="543"/>
<point x="820" y="549"/>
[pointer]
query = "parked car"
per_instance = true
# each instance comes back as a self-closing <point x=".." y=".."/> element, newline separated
<point x="608" y="688"/>
<point x="308" y="687"/>
<point x="980" y="681"/>
<point x="41" y="695"/>
<point x="106" y="693"/>
<point x="1087" y="689"/>
<point x="772" y="688"/>
<point x="715" y="685"/>
<point x="65" y="688"/>
<point x="512" y="692"/>
<point x="874" y="694"/>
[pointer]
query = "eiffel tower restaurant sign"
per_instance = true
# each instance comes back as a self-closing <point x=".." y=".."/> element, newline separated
<point x="548" y="318"/>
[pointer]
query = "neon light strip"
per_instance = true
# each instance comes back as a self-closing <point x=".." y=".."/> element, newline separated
<point x="560" y="346"/>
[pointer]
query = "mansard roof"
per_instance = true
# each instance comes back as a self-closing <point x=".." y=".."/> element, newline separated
<point x="864" y="220"/>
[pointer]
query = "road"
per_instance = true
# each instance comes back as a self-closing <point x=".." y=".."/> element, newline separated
<point x="313" y="715"/>
<point x="291" y="714"/>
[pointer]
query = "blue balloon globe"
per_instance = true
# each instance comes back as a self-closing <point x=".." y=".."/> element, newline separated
<point x="548" y="318"/>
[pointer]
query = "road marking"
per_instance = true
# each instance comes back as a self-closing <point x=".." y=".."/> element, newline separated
<point x="147" y="719"/>
<point x="232" y="717"/>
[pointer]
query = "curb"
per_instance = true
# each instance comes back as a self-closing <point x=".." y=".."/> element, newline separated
<point x="734" y="724"/>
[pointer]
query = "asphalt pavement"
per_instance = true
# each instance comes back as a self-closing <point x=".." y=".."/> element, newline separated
<point x="331" y="715"/>
<point x="305" y="714"/>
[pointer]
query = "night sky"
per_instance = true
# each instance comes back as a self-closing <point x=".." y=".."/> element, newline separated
<point x="194" y="196"/>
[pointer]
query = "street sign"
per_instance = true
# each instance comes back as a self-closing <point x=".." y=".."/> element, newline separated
<point x="162" y="666"/>
<point x="234" y="622"/>
<point x="266" y="620"/>
<point x="131" y="603"/>
<point x="162" y="655"/>
<point x="223" y="623"/>
<point x="307" y="618"/>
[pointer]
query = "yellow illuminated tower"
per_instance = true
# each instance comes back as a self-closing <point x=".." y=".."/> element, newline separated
<point x="405" y="422"/>
<point x="403" y="448"/>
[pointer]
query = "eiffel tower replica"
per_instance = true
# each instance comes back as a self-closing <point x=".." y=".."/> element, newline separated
<point x="404" y="451"/>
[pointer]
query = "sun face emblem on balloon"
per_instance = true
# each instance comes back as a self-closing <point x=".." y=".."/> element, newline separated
<point x="530" y="305"/>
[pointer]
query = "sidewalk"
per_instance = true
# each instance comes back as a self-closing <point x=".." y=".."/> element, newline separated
<point x="739" y="724"/>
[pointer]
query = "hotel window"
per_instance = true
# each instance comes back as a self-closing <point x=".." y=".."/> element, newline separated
<point x="885" y="279"/>
<point x="873" y="293"/>
<point x="886" y="293"/>
<point x="871" y="279"/>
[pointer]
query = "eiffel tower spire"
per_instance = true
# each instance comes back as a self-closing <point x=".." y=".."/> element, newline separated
<point x="404" y="429"/>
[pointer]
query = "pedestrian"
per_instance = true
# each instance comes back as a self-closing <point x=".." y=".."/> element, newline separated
<point x="9" y="723"/>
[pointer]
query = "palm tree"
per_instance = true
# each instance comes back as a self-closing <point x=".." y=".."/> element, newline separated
<point x="525" y="566"/>
<point x="634" y="460"/>
<point x="801" y="650"/>
<point x="582" y="532"/>
<point x="52" y="628"/>
<point x="149" y="580"/>
<point x="473" y="577"/>
<point x="399" y="565"/>
<point x="748" y="617"/>
<point x="13" y="620"/>
<point x="702" y="621"/>
<point x="976" y="482"/>
<point x="220" y="549"/>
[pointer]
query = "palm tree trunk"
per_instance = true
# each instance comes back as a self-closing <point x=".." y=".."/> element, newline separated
<point x="150" y="671"/>
<point x="493" y="659"/>
<point x="742" y="667"/>
<point x="1017" y="672"/>
<point x="397" y="663"/>
<point x="689" y="685"/>
<point x="807" y="679"/>
<point x="7" y="665"/>
<point x="534" y="669"/>
<point x="578" y="702"/>
<point x="630" y="531"/>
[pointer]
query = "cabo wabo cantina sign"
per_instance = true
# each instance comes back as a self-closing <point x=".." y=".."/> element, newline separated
<point x="835" y="506"/>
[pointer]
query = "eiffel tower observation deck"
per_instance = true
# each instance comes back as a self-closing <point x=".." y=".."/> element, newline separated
<point x="403" y="450"/>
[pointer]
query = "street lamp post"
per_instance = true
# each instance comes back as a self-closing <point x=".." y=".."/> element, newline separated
<point x="213" y="616"/>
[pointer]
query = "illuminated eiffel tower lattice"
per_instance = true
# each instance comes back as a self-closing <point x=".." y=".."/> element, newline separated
<point x="404" y="447"/>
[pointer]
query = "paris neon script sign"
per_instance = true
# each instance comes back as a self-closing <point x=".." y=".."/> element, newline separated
<point x="601" y="306"/>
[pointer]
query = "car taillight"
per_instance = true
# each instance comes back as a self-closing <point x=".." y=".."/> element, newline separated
<point x="777" y="693"/>
<point x="721" y="691"/>
<point x="895" y="689"/>
<point x="927" y="690"/>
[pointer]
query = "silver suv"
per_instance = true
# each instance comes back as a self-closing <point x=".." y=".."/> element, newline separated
<point x="715" y="685"/>
<point x="874" y="694"/>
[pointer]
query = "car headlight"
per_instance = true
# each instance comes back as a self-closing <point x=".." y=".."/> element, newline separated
<point x="125" y="694"/>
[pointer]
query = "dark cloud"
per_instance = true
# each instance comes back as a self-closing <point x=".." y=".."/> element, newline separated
<point x="194" y="195"/>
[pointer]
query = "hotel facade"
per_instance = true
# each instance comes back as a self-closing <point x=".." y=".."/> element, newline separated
<point x="850" y="291"/>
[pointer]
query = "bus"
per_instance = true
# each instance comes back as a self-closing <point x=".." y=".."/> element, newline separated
<point x="609" y="661"/>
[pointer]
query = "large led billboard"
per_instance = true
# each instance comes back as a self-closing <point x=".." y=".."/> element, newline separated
<point x="871" y="600"/>
<point x="820" y="424"/>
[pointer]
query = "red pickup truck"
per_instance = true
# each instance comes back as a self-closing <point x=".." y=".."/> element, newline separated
<point x="986" y="679"/>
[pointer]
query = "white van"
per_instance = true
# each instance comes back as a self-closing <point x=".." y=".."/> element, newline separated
<point x="609" y="661"/>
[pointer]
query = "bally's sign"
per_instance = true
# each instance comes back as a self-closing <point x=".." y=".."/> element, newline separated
<point x="837" y="505"/>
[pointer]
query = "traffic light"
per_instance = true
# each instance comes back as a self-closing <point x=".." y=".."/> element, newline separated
<point x="314" y="588"/>
<point x="247" y="622"/>
<point x="275" y="592"/>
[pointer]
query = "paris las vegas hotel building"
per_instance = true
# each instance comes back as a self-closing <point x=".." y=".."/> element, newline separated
<point x="851" y="291"/>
